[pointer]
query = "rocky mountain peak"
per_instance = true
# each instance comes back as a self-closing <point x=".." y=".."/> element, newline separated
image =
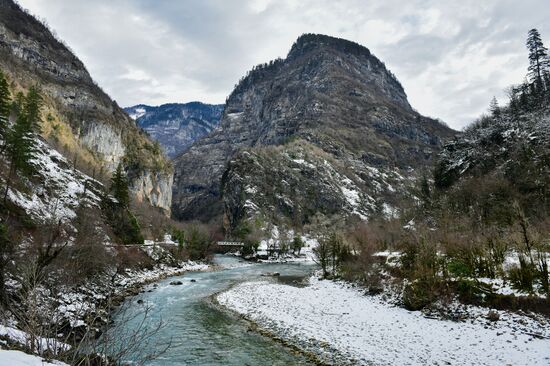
<point x="343" y="107"/>
<point x="339" y="51"/>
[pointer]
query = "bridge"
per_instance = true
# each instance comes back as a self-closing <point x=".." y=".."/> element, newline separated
<point x="231" y="244"/>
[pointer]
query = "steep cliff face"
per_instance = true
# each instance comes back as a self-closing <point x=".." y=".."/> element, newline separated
<point x="81" y="120"/>
<point x="105" y="141"/>
<point x="153" y="187"/>
<point x="176" y="126"/>
<point x="330" y="104"/>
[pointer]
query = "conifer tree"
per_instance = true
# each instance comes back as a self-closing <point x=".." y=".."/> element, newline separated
<point x="6" y="248"/>
<point x="538" y="57"/>
<point x="33" y="104"/>
<point x="20" y="138"/>
<point x="5" y="103"/>
<point x="119" y="187"/>
<point x="125" y="225"/>
<point x="494" y="109"/>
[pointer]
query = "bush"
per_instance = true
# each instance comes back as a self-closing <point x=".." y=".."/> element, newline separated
<point x="522" y="277"/>
<point x="297" y="244"/>
<point x="419" y="294"/>
<point x="198" y="242"/>
<point x="458" y="268"/>
<point x="178" y="235"/>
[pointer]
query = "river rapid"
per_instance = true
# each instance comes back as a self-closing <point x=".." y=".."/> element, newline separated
<point x="199" y="333"/>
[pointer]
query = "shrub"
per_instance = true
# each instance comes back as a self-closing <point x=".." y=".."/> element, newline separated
<point x="458" y="268"/>
<point x="419" y="294"/>
<point x="198" y="242"/>
<point x="297" y="244"/>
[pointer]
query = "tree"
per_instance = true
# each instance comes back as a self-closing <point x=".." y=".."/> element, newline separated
<point x="32" y="107"/>
<point x="322" y="255"/>
<point x="20" y="143"/>
<point x="5" y="106"/>
<point x="336" y="249"/>
<point x="297" y="244"/>
<point x="494" y="109"/>
<point x="198" y="242"/>
<point x="538" y="55"/>
<point x="425" y="192"/>
<point x="179" y="236"/>
<point x="123" y="222"/>
<point x="6" y="249"/>
<point x="119" y="187"/>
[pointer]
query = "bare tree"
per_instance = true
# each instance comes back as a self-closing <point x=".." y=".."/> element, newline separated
<point x="322" y="255"/>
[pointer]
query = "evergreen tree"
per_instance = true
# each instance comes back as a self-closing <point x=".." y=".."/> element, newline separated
<point x="19" y="144"/>
<point x="494" y="109"/>
<point x="119" y="187"/>
<point x="6" y="249"/>
<point x="20" y="139"/>
<point x="124" y="223"/>
<point x="5" y="104"/>
<point x="538" y="57"/>
<point x="547" y="83"/>
<point x="33" y="105"/>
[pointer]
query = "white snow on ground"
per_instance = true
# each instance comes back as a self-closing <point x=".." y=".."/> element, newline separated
<point x="389" y="211"/>
<point x="351" y="195"/>
<point x="303" y="162"/>
<point x="505" y="287"/>
<point x="371" y="331"/>
<point x="306" y="253"/>
<point x="234" y="116"/>
<point x="57" y="175"/>
<point x="41" y="344"/>
<point x="75" y="304"/>
<point x="18" y="358"/>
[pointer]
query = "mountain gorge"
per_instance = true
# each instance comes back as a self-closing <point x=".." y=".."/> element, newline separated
<point x="81" y="120"/>
<point x="176" y="126"/>
<point x="315" y="218"/>
<point x="328" y="130"/>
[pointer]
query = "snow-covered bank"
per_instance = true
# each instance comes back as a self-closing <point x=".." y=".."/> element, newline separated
<point x="367" y="330"/>
<point x="18" y="358"/>
<point x="83" y="306"/>
<point x="268" y="249"/>
<point x="76" y="304"/>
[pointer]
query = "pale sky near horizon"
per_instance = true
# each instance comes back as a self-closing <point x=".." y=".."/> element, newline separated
<point x="451" y="56"/>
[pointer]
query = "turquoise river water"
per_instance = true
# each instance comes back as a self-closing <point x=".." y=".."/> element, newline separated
<point x="200" y="334"/>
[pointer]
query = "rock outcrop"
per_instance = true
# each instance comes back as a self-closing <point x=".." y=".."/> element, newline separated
<point x="328" y="130"/>
<point x="176" y="126"/>
<point x="81" y="120"/>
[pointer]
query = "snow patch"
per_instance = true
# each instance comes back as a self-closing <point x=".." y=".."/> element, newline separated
<point x="370" y="331"/>
<point x="137" y="113"/>
<point x="18" y="358"/>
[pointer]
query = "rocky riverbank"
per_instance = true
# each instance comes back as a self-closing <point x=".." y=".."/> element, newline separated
<point x="326" y="316"/>
<point x="87" y="308"/>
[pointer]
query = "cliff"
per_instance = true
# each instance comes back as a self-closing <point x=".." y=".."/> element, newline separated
<point x="81" y="120"/>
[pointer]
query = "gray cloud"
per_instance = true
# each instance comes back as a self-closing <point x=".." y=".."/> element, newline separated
<point x="451" y="56"/>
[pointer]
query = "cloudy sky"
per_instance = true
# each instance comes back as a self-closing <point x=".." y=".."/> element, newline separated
<point x="451" y="56"/>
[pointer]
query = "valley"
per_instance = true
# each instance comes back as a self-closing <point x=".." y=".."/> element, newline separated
<point x="315" y="217"/>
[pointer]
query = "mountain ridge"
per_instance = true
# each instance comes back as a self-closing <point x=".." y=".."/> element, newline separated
<point x="345" y="103"/>
<point x="176" y="125"/>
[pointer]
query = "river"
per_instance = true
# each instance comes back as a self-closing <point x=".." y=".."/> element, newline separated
<point x="200" y="334"/>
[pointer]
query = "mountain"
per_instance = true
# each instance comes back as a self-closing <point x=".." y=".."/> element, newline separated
<point x="326" y="131"/>
<point x="81" y="120"/>
<point x="499" y="163"/>
<point x="176" y="126"/>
